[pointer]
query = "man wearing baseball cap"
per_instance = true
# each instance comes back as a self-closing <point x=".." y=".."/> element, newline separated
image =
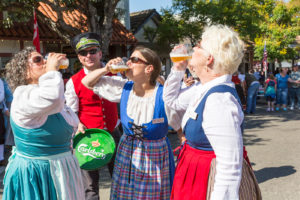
<point x="93" y="111"/>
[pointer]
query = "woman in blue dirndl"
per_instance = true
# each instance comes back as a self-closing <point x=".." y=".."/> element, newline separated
<point x="212" y="162"/>
<point x="144" y="165"/>
<point x="42" y="165"/>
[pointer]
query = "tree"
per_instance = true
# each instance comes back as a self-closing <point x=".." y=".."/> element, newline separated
<point x="242" y="15"/>
<point x="279" y="29"/>
<point x="99" y="13"/>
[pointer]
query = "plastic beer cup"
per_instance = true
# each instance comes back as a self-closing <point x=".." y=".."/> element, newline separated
<point x="64" y="63"/>
<point x="119" y="67"/>
<point x="181" y="52"/>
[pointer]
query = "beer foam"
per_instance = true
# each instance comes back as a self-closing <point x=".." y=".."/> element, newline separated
<point x="119" y="66"/>
<point x="179" y="55"/>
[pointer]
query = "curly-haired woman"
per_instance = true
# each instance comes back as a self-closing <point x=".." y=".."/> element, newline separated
<point x="42" y="165"/>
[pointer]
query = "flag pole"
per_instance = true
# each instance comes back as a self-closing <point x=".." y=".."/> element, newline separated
<point x="36" y="37"/>
<point x="265" y="63"/>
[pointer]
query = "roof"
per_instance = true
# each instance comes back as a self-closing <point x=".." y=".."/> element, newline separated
<point x="24" y="31"/>
<point x="77" y="20"/>
<point x="138" y="19"/>
<point x="74" y="18"/>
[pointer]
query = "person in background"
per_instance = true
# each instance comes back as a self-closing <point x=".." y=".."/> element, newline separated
<point x="8" y="96"/>
<point x="262" y="78"/>
<point x="212" y="122"/>
<point x="93" y="111"/>
<point x="294" y="90"/>
<point x="238" y="86"/>
<point x="144" y="166"/>
<point x="282" y="80"/>
<point x="270" y="92"/>
<point x="2" y="125"/>
<point x="42" y="165"/>
<point x="256" y="74"/>
<point x="251" y="85"/>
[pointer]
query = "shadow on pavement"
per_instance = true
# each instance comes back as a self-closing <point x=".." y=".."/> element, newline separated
<point x="262" y="118"/>
<point x="253" y="140"/>
<point x="268" y="173"/>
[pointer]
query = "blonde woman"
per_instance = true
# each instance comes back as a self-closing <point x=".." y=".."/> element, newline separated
<point x="211" y="159"/>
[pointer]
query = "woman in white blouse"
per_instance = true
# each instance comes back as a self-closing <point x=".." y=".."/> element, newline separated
<point x="42" y="165"/>
<point x="144" y="164"/>
<point x="211" y="159"/>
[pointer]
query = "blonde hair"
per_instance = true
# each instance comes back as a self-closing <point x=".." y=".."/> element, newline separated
<point x="225" y="46"/>
<point x="16" y="68"/>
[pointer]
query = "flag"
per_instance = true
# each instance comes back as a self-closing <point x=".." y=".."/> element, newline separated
<point x="36" y="37"/>
<point x="265" y="58"/>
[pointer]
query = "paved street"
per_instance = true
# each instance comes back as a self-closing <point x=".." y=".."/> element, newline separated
<point x="272" y="141"/>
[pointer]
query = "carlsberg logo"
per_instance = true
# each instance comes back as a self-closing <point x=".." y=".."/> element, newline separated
<point x="90" y="152"/>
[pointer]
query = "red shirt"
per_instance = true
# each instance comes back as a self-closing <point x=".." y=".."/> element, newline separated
<point x="94" y="112"/>
<point x="235" y="79"/>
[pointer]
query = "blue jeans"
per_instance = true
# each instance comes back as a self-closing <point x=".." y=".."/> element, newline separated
<point x="294" y="93"/>
<point x="251" y="97"/>
<point x="281" y="96"/>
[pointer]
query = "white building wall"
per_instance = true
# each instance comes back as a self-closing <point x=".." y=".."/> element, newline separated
<point x="140" y="34"/>
<point x="9" y="46"/>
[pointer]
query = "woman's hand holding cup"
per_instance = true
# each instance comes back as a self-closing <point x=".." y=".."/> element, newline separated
<point x="54" y="60"/>
<point x="117" y="65"/>
<point x="180" y="55"/>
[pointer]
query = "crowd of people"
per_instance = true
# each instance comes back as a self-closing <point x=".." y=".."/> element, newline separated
<point x="280" y="89"/>
<point x="203" y="99"/>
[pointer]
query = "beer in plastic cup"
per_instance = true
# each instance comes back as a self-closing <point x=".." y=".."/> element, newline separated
<point x="115" y="68"/>
<point x="179" y="57"/>
<point x="64" y="63"/>
<point x="181" y="52"/>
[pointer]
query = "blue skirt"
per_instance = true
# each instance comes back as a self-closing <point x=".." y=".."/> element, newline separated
<point x="56" y="177"/>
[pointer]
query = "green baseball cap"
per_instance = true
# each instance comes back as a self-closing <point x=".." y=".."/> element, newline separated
<point x="94" y="148"/>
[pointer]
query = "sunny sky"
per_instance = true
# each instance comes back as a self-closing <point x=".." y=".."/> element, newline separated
<point x="138" y="5"/>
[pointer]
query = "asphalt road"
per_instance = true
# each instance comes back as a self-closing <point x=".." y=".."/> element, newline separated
<point x="272" y="141"/>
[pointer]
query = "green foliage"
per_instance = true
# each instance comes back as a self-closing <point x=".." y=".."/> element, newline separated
<point x="273" y="21"/>
<point x="279" y="29"/>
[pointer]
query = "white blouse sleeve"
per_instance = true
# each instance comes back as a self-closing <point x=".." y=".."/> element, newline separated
<point x="174" y="118"/>
<point x="222" y="118"/>
<point x="110" y="88"/>
<point x="33" y="103"/>
<point x="71" y="97"/>
<point x="174" y="96"/>
<point x="70" y="116"/>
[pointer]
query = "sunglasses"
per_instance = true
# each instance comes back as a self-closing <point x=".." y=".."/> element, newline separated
<point x="137" y="60"/>
<point x="37" y="59"/>
<point x="91" y="52"/>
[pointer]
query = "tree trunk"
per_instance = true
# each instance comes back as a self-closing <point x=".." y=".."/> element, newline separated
<point x="107" y="30"/>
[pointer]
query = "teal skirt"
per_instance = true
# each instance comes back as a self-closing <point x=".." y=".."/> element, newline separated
<point x="55" y="177"/>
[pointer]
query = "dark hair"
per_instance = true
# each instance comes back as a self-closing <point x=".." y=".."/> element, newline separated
<point x="271" y="76"/>
<point x="16" y="68"/>
<point x="153" y="59"/>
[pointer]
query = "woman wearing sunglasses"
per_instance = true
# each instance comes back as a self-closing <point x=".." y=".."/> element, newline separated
<point x="144" y="164"/>
<point x="42" y="165"/>
<point x="211" y="164"/>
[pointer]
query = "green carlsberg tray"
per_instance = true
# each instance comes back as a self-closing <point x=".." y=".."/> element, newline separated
<point x="94" y="148"/>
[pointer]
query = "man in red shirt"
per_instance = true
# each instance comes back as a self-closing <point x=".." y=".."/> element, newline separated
<point x="93" y="111"/>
